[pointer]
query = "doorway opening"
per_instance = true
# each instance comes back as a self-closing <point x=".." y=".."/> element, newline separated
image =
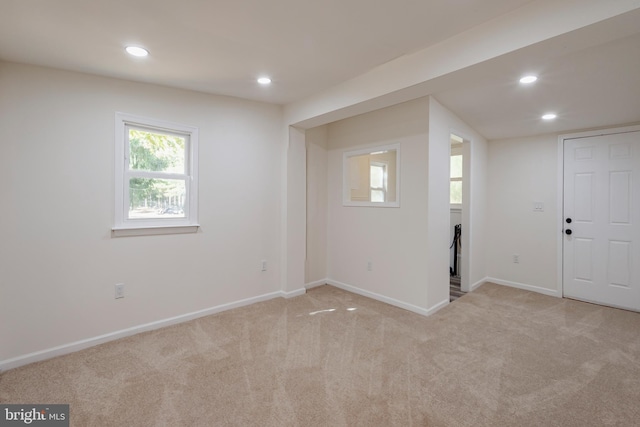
<point x="458" y="200"/>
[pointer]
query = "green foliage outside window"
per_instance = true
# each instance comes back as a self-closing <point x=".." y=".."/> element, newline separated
<point x="156" y="152"/>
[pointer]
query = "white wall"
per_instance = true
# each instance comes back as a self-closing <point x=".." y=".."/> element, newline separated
<point x="408" y="246"/>
<point x="522" y="171"/>
<point x="58" y="261"/>
<point x="296" y="212"/>
<point x="316" y="262"/>
<point x="393" y="239"/>
<point x="442" y="123"/>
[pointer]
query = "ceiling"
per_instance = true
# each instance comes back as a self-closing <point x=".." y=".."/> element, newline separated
<point x="222" y="46"/>
<point x="590" y="78"/>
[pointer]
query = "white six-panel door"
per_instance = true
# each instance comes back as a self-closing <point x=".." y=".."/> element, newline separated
<point x="601" y="255"/>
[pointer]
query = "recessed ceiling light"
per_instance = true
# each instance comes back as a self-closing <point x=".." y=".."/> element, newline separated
<point x="528" y="79"/>
<point x="137" y="51"/>
<point x="549" y="116"/>
<point x="264" y="80"/>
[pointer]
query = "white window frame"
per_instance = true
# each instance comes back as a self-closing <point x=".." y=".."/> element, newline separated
<point x="384" y="166"/>
<point x="457" y="151"/>
<point x="346" y="176"/>
<point x="124" y="226"/>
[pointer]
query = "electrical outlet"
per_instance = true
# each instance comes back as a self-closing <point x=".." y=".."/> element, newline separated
<point x="119" y="290"/>
<point x="516" y="258"/>
<point x="264" y="265"/>
<point x="538" y="207"/>
<point x="369" y="266"/>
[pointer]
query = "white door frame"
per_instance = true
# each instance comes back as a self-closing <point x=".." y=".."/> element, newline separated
<point x="560" y="192"/>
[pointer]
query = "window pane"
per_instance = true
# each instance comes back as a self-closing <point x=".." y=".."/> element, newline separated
<point x="156" y="198"/>
<point x="377" y="176"/>
<point x="156" y="152"/>
<point x="377" y="196"/>
<point x="456" y="166"/>
<point x="456" y="192"/>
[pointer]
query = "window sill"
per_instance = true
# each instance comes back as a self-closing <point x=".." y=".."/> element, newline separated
<point x="153" y="231"/>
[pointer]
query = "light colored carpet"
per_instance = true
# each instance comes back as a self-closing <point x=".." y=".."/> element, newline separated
<point x="496" y="357"/>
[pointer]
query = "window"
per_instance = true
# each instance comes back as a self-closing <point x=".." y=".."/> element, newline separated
<point x="371" y="177"/>
<point x="156" y="177"/>
<point x="378" y="173"/>
<point x="455" y="197"/>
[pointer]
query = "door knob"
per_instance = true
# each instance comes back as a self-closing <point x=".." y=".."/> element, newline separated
<point x="568" y="232"/>
<point x="568" y="220"/>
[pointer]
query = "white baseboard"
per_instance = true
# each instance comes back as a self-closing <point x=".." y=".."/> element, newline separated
<point x="315" y="284"/>
<point x="442" y="304"/>
<point x="392" y="301"/>
<point x="295" y="293"/>
<point x="479" y="283"/>
<point x="90" y="342"/>
<point x="545" y="291"/>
